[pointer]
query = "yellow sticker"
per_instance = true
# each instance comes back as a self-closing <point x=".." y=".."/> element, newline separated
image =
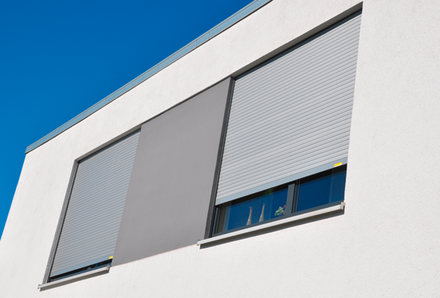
<point x="338" y="164"/>
<point x="110" y="257"/>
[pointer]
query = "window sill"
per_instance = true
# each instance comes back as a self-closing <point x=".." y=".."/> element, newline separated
<point x="75" y="277"/>
<point x="280" y="222"/>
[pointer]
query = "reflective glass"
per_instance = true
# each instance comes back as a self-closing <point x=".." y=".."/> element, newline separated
<point x="310" y="192"/>
<point x="258" y="208"/>
<point x="321" y="189"/>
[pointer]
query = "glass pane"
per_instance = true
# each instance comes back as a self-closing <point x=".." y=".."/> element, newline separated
<point x="337" y="187"/>
<point x="321" y="189"/>
<point x="256" y="209"/>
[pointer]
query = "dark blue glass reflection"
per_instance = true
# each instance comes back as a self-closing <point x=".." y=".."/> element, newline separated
<point x="321" y="189"/>
<point x="264" y="206"/>
<point x="310" y="192"/>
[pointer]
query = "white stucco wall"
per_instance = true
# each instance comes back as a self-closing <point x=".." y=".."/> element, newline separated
<point x="387" y="244"/>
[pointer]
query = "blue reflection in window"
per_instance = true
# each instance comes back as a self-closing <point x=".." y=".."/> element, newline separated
<point x="310" y="192"/>
<point x="321" y="189"/>
<point x="265" y="206"/>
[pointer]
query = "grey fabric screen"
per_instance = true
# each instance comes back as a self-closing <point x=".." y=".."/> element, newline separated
<point x="93" y="216"/>
<point x="291" y="116"/>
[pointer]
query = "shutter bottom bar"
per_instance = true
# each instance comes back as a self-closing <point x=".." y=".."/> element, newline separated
<point x="75" y="277"/>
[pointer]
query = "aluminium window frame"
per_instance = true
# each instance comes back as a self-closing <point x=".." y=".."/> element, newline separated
<point x="56" y="240"/>
<point x="292" y="200"/>
<point x="212" y="216"/>
<point x="47" y="278"/>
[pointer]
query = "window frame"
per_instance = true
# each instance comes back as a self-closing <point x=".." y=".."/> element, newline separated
<point x="291" y="203"/>
<point x="213" y="212"/>
<point x="91" y="269"/>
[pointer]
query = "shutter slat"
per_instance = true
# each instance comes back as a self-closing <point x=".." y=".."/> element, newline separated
<point x="302" y="144"/>
<point x="299" y="162"/>
<point x="308" y="52"/>
<point x="292" y="114"/>
<point x="95" y="207"/>
<point x="340" y="109"/>
<point x="308" y="77"/>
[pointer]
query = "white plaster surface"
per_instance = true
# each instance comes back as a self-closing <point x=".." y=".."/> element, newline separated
<point x="387" y="244"/>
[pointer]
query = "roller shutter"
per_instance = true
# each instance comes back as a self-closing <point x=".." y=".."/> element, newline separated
<point x="95" y="207"/>
<point x="291" y="116"/>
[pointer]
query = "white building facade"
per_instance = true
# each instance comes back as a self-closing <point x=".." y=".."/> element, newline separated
<point x="291" y="151"/>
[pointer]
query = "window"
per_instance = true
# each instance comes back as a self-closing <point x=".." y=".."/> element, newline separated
<point x="309" y="193"/>
<point x="91" y="222"/>
<point x="289" y="125"/>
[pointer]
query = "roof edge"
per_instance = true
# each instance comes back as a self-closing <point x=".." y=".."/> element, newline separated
<point x="229" y="22"/>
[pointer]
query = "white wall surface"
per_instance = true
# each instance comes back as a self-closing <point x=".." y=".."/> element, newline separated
<point x="387" y="244"/>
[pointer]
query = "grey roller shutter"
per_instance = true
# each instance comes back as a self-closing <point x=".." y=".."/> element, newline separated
<point x="291" y="116"/>
<point x="95" y="207"/>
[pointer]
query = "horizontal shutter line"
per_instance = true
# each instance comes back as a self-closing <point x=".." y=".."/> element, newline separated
<point x="343" y="114"/>
<point x="305" y="165"/>
<point x="255" y="165"/>
<point x="304" y="148"/>
<point x="332" y="65"/>
<point x="91" y="242"/>
<point x="294" y="93"/>
<point x="318" y="162"/>
<point x="288" y="97"/>
<point x="333" y="111"/>
<point x="291" y="114"/>
<point x="101" y="221"/>
<point x="298" y="143"/>
<point x="94" y="213"/>
<point x="263" y="158"/>
<point x="87" y="195"/>
<point x="302" y="55"/>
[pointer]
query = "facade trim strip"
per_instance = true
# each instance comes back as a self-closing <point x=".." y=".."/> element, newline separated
<point x="229" y="22"/>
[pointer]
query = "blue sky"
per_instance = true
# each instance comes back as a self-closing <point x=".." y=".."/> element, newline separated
<point x="58" y="58"/>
